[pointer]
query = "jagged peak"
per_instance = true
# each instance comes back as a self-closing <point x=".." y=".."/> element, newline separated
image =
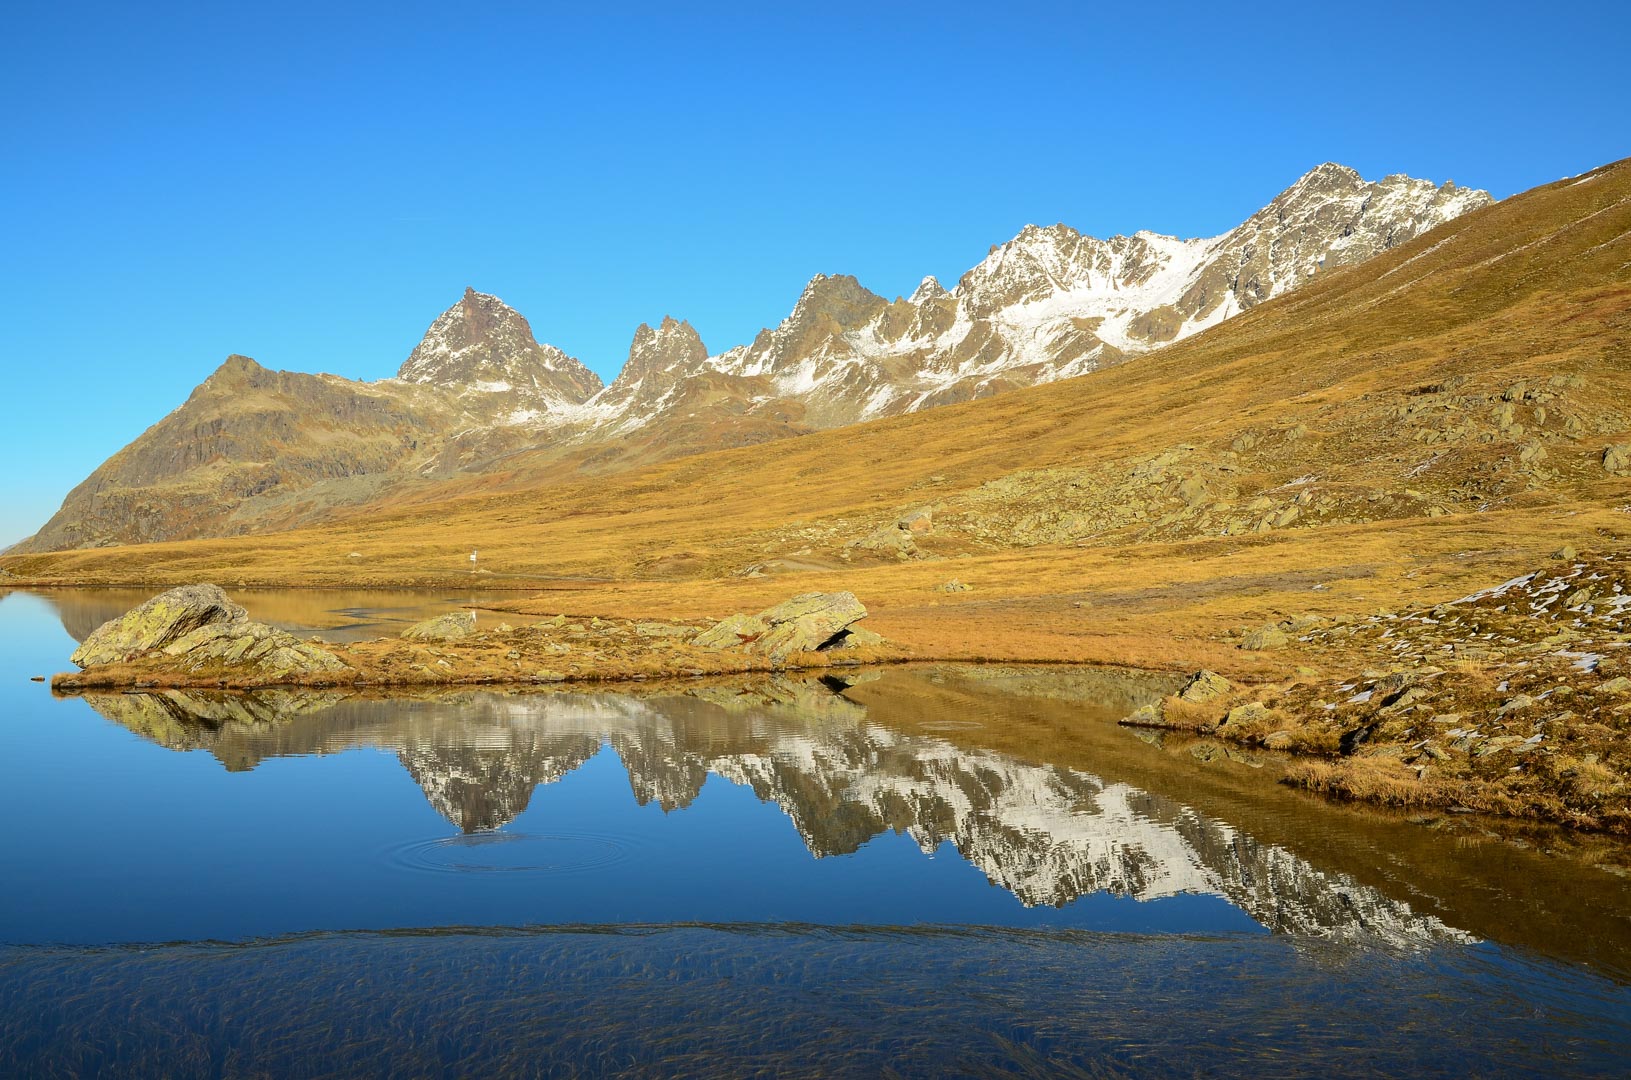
<point x="673" y="346"/>
<point x="483" y="340"/>
<point x="235" y="369"/>
<point x="1054" y="233"/>
<point x="1319" y="182"/>
<point x="928" y="289"/>
<point x="840" y="296"/>
<point x="239" y="362"/>
<point x="668" y="334"/>
<point x="1330" y="169"/>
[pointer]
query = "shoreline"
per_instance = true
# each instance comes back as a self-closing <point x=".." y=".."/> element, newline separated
<point x="1514" y="699"/>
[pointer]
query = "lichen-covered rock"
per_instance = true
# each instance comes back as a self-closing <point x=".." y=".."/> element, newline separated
<point x="157" y="623"/>
<point x="731" y="632"/>
<point x="246" y="645"/>
<point x="196" y="628"/>
<point x="1204" y="686"/>
<point x="897" y="540"/>
<point x="1264" y="638"/>
<point x="1245" y="714"/>
<point x="807" y="623"/>
<point x="953" y="586"/>
<point x="1147" y="715"/>
<point x="1617" y="459"/>
<point x="454" y="626"/>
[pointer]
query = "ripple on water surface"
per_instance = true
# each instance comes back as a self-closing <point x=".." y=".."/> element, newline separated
<point x="512" y="853"/>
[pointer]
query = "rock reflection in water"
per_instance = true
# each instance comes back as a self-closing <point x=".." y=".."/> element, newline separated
<point x="1047" y="834"/>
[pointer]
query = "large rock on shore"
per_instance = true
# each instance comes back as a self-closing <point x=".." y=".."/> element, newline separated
<point x="454" y="626"/>
<point x="1204" y="686"/>
<point x="155" y="624"/>
<point x="730" y="632"/>
<point x="195" y="627"/>
<point x="807" y="623"/>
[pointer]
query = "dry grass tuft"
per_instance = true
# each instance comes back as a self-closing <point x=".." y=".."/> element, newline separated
<point x="1381" y="780"/>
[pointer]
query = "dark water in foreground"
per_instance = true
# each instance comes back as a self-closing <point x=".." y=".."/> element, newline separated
<point x="914" y="872"/>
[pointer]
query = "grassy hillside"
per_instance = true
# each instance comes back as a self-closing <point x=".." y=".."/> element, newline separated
<point x="1398" y="430"/>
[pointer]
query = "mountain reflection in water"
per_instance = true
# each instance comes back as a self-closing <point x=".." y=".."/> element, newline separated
<point x="1046" y="833"/>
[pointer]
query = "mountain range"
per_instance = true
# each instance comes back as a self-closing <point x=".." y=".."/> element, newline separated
<point x="254" y="450"/>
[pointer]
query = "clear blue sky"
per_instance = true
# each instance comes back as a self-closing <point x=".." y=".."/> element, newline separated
<point x="311" y="184"/>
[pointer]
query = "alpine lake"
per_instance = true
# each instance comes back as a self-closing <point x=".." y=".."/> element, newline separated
<point x="911" y="871"/>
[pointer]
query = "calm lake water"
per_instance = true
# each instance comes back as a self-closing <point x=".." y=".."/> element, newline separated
<point x="914" y="872"/>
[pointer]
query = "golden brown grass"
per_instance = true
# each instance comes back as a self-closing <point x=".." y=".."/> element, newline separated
<point x="1380" y="780"/>
<point x="1536" y="287"/>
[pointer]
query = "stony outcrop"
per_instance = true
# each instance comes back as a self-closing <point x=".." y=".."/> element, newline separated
<point x="157" y="623"/>
<point x="731" y="632"/>
<point x="454" y="626"/>
<point x="1265" y="638"/>
<point x="810" y="622"/>
<point x="194" y="629"/>
<point x="482" y="345"/>
<point x="1205" y="686"/>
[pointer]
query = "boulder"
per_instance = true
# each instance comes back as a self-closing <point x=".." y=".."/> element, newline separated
<point x="953" y="586"/>
<point x="1148" y="715"/>
<point x="919" y="521"/>
<point x="1265" y="638"/>
<point x="894" y="540"/>
<point x="807" y="623"/>
<point x="1245" y="714"/>
<point x="252" y="646"/>
<point x="1617" y="459"/>
<point x="731" y="632"/>
<point x="156" y="623"/>
<point x="454" y="626"/>
<point x="197" y="627"/>
<point x="1204" y="686"/>
<point x="1617" y="685"/>
<point x="1193" y="490"/>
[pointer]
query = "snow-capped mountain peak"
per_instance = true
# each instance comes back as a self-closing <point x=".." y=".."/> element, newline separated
<point x="481" y="344"/>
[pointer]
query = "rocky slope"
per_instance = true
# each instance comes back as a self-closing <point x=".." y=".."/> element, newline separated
<point x="253" y="449"/>
<point x="1052" y="303"/>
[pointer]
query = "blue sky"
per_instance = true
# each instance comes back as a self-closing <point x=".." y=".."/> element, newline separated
<point x="311" y="184"/>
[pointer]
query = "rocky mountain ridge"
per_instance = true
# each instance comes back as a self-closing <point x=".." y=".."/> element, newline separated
<point x="253" y="449"/>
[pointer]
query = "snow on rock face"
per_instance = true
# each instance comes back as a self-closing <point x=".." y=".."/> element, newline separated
<point x="1048" y="304"/>
<point x="481" y="346"/>
<point x="658" y="358"/>
<point x="1052" y="303"/>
